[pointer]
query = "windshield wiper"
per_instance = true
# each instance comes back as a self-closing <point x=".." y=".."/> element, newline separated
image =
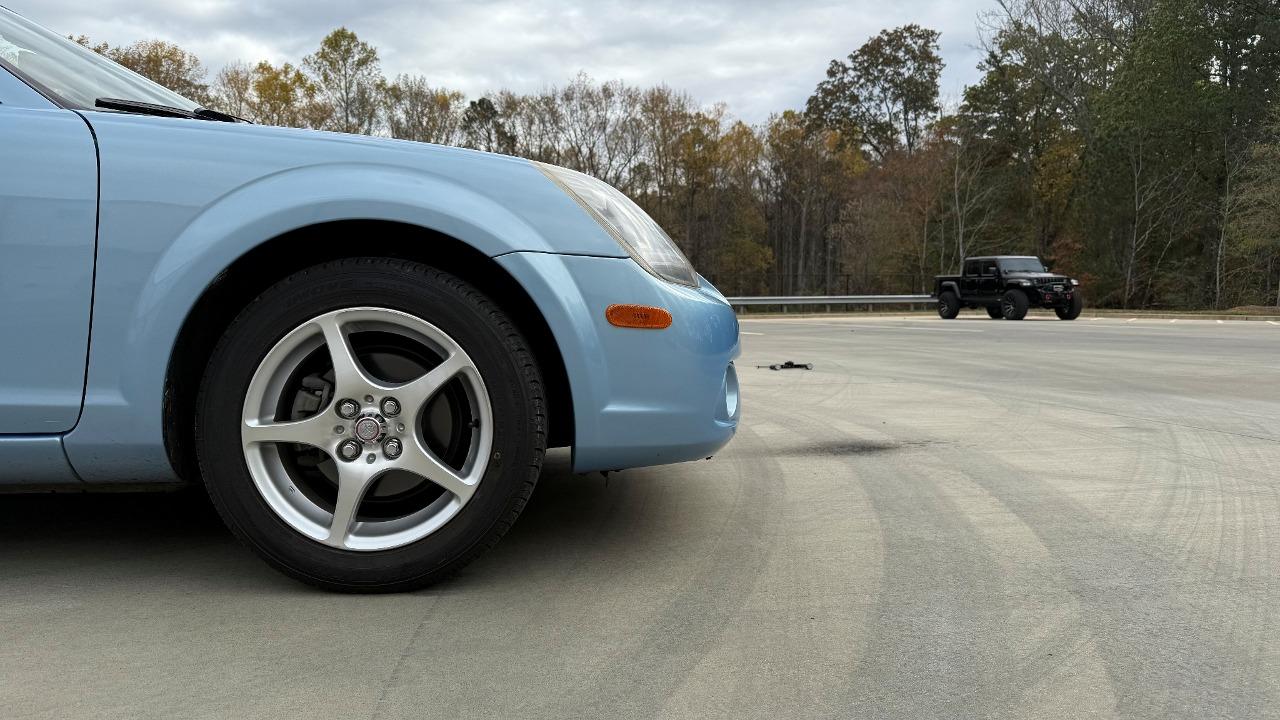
<point x="145" y="108"/>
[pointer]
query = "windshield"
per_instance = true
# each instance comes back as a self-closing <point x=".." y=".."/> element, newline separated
<point x="76" y="75"/>
<point x="1026" y="264"/>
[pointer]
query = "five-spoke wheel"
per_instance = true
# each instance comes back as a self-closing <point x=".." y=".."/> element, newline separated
<point x="371" y="424"/>
<point x="374" y="432"/>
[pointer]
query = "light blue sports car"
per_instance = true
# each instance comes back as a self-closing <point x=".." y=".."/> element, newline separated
<point x="362" y="346"/>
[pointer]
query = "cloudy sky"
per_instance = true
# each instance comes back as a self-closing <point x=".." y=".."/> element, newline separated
<point x="757" y="56"/>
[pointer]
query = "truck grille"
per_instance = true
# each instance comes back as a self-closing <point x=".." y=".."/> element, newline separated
<point x="1048" y="282"/>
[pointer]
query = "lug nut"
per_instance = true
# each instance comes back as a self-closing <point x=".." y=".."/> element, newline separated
<point x="348" y="408"/>
<point x="390" y="407"/>
<point x="392" y="448"/>
<point x="349" y="450"/>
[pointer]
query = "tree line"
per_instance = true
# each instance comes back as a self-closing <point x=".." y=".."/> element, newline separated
<point x="1133" y="143"/>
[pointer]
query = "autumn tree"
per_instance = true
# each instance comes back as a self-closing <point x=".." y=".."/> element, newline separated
<point x="741" y="256"/>
<point x="285" y="96"/>
<point x="161" y="62"/>
<point x="346" y="75"/>
<point x="1129" y="142"/>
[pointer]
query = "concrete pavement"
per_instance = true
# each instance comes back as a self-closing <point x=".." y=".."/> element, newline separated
<point x="972" y="518"/>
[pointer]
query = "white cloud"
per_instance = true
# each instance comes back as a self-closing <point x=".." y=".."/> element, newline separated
<point x="758" y="57"/>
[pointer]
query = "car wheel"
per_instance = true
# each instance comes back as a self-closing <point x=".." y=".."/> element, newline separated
<point x="948" y="305"/>
<point x="1072" y="311"/>
<point x="371" y="425"/>
<point x="1014" y="304"/>
<point x="994" y="312"/>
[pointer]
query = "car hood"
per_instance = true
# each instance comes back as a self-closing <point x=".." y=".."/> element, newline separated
<point x="1033" y="276"/>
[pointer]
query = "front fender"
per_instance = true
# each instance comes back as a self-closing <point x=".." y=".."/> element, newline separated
<point x="296" y="198"/>
<point x="182" y="200"/>
<point x="145" y="293"/>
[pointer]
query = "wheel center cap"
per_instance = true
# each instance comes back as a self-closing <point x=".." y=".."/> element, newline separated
<point x="368" y="429"/>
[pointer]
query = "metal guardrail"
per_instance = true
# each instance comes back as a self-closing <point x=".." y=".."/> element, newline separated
<point x="834" y="300"/>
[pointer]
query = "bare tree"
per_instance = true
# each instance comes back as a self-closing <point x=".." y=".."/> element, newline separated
<point x="416" y="111"/>
<point x="1228" y="203"/>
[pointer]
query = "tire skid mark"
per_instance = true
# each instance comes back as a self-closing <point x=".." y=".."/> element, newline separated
<point x="1170" y="641"/>
<point x="568" y="519"/>
<point x="825" y="555"/>
<point x="938" y="576"/>
<point x="637" y="681"/>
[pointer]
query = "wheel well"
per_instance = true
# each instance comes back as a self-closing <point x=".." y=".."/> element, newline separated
<point x="255" y="271"/>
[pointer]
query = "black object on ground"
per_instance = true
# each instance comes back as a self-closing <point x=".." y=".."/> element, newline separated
<point x="788" y="365"/>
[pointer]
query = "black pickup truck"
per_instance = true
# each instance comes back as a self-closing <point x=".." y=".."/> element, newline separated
<point x="1007" y="286"/>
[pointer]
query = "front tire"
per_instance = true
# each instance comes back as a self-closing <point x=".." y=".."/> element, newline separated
<point x="948" y="305"/>
<point x="993" y="312"/>
<point x="1014" y="305"/>
<point x="371" y="425"/>
<point x="1072" y="311"/>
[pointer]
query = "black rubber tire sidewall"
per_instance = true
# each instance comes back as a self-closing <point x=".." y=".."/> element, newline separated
<point x="1020" y="305"/>
<point x="993" y="312"/>
<point x="510" y="375"/>
<point x="948" y="305"/>
<point x="1072" y="311"/>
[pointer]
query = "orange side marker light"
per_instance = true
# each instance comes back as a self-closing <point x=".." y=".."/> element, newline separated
<point x="638" y="316"/>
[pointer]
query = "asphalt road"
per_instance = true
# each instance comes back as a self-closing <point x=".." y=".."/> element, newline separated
<point x="957" y="519"/>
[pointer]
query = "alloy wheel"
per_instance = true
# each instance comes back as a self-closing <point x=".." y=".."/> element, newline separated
<point x="366" y="428"/>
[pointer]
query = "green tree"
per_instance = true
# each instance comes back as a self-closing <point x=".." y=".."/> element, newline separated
<point x="885" y="93"/>
<point x="1255" y="227"/>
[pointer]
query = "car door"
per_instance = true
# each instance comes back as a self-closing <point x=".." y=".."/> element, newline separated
<point x="989" y="285"/>
<point x="969" y="279"/>
<point x="48" y="228"/>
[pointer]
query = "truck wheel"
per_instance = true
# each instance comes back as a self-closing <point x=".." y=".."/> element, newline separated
<point x="1014" y="304"/>
<point x="994" y="312"/>
<point x="948" y="305"/>
<point x="371" y="425"/>
<point x="1072" y="311"/>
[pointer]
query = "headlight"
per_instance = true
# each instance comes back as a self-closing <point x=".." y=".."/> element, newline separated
<point x="634" y="230"/>
<point x="1021" y="282"/>
<point x="1074" y="282"/>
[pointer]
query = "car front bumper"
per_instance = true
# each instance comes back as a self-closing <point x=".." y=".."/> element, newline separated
<point x="1051" y="298"/>
<point x="640" y="397"/>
